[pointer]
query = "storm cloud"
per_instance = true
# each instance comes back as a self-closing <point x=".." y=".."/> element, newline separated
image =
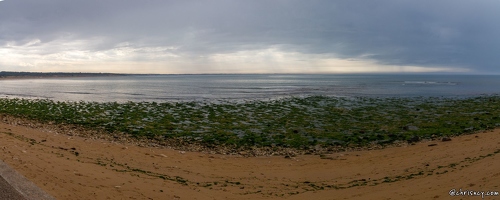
<point x="159" y="36"/>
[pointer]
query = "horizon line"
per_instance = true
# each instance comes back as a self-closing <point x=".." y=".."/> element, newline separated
<point x="289" y="73"/>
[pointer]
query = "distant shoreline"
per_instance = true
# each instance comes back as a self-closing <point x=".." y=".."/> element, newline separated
<point x="4" y="75"/>
<point x="21" y="74"/>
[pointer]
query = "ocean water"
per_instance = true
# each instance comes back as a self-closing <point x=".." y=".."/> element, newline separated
<point x="162" y="88"/>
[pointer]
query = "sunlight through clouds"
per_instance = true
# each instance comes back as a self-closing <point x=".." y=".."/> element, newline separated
<point x="251" y="36"/>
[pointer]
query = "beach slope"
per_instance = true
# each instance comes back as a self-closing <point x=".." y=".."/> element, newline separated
<point x="73" y="167"/>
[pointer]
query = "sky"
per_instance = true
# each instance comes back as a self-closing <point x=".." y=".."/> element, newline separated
<point x="258" y="36"/>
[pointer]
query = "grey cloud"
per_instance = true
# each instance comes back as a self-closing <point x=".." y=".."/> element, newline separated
<point x="448" y="33"/>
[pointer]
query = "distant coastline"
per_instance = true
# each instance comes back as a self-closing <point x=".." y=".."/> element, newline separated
<point x="33" y="75"/>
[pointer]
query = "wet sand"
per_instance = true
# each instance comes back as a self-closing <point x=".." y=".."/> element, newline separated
<point x="73" y="167"/>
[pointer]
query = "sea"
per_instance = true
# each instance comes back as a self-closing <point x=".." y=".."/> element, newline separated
<point x="216" y="87"/>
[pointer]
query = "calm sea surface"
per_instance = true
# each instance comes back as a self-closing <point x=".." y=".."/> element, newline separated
<point x="240" y="87"/>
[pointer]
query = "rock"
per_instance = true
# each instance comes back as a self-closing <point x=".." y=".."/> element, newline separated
<point x="469" y="129"/>
<point x="410" y="128"/>
<point x="414" y="139"/>
<point x="446" y="139"/>
<point x="431" y="145"/>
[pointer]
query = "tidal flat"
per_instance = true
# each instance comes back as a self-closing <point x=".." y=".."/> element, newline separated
<point x="300" y="123"/>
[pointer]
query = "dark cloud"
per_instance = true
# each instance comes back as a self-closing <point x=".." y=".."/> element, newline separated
<point x="450" y="33"/>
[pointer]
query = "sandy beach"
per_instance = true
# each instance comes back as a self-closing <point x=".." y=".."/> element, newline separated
<point x="74" y="167"/>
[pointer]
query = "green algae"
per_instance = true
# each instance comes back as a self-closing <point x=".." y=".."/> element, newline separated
<point x="290" y="122"/>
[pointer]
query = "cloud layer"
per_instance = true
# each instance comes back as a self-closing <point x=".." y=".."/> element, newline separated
<point x="159" y="36"/>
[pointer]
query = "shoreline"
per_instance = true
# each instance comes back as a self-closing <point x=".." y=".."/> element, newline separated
<point x="55" y="77"/>
<point x="69" y="166"/>
<point x="10" y="75"/>
<point x="180" y="145"/>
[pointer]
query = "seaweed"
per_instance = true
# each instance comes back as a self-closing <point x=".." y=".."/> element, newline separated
<point x="299" y="123"/>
